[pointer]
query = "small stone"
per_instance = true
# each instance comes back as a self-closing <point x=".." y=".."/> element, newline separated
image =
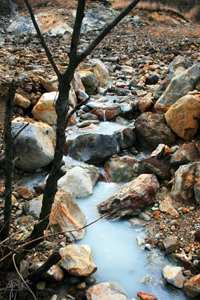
<point x="152" y="79"/>
<point x="174" y="276"/>
<point x="22" y="101"/>
<point x="170" y="244"/>
<point x="146" y="296"/>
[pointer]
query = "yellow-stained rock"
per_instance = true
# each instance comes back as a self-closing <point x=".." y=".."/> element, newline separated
<point x="182" y="117"/>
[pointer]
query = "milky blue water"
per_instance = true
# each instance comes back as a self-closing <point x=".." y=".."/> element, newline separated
<point x="117" y="254"/>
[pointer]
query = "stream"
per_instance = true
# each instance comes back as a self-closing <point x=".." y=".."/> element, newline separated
<point x="117" y="254"/>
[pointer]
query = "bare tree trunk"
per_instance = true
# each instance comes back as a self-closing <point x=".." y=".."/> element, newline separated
<point x="8" y="161"/>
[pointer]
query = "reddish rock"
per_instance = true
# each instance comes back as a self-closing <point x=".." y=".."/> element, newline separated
<point x="146" y="296"/>
<point x="132" y="197"/>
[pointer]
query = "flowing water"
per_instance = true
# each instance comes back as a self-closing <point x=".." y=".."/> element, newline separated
<point x="117" y="254"/>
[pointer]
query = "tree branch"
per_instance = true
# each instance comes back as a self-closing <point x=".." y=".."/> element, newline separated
<point x="77" y="29"/>
<point x="107" y="30"/>
<point x="42" y="40"/>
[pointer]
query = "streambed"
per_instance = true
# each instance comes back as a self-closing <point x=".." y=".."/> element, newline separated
<point x="117" y="254"/>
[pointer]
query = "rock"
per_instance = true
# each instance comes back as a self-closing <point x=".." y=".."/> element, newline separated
<point x="192" y="286"/>
<point x="121" y="168"/>
<point x="89" y="81"/>
<point x="179" y="86"/>
<point x="170" y="244"/>
<point x="152" y="79"/>
<point x="186" y="153"/>
<point x="57" y="273"/>
<point x="34" y="146"/>
<point x="101" y="72"/>
<point x="151" y="130"/>
<point x="182" y="117"/>
<point x="109" y="107"/>
<point x="166" y="206"/>
<point x="105" y="291"/>
<point x="66" y="216"/>
<point x="96" y="143"/>
<point x="51" y="84"/>
<point x="77" y="260"/>
<point x="145" y="103"/>
<point x="146" y="296"/>
<point x="44" y="110"/>
<point x="156" y="166"/>
<point x="79" y="180"/>
<point x="22" y="101"/>
<point x="131" y="198"/>
<point x="186" y="182"/>
<point x="174" y="276"/>
<point x="50" y="23"/>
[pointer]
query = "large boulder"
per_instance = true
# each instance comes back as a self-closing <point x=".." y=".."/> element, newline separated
<point x="45" y="111"/>
<point x="152" y="130"/>
<point x="131" y="198"/>
<point x="77" y="260"/>
<point x="79" y="180"/>
<point x="106" y="291"/>
<point x="192" y="286"/>
<point x="96" y="143"/>
<point x="34" y="146"/>
<point x="65" y="217"/>
<point x="183" y="116"/>
<point x="178" y="87"/>
<point x="187" y="182"/>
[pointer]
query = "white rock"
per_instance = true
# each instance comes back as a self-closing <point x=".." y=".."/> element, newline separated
<point x="79" y="181"/>
<point x="174" y="276"/>
<point x="34" y="146"/>
<point x="77" y="260"/>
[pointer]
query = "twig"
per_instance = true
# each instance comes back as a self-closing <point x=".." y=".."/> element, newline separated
<point x="42" y="40"/>
<point x="22" y="279"/>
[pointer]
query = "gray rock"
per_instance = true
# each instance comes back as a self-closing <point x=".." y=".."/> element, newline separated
<point x="179" y="86"/>
<point x="96" y="143"/>
<point x="34" y="146"/>
<point x="152" y="130"/>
